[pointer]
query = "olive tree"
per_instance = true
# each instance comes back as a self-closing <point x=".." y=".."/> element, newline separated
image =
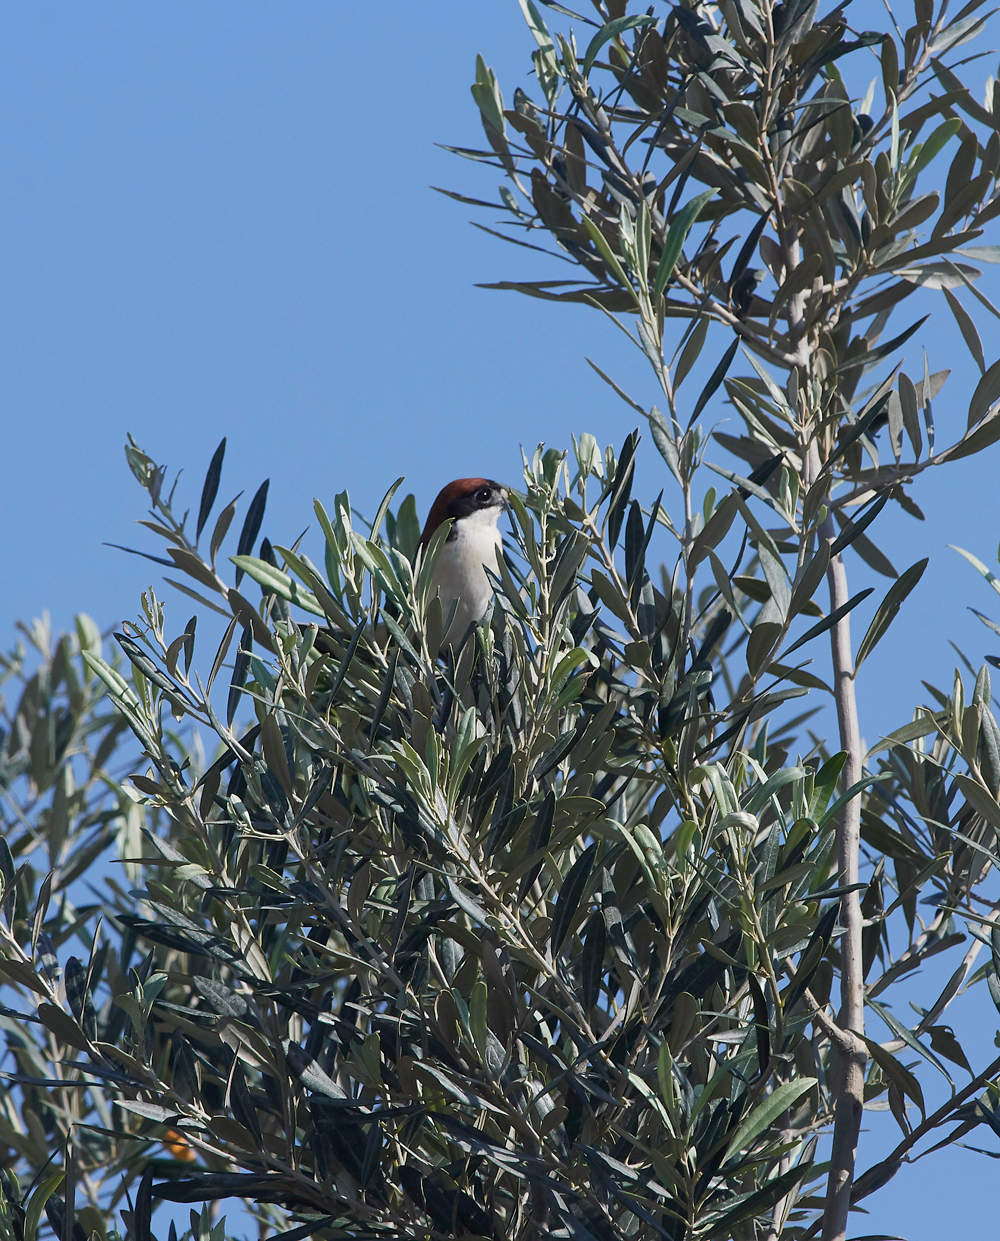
<point x="749" y="100"/>
<point x="63" y="810"/>
<point x="571" y="932"/>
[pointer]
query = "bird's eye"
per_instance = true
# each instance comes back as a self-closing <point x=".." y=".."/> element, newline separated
<point x="483" y="494"/>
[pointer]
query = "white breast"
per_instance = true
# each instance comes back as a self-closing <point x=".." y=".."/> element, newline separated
<point x="459" y="574"/>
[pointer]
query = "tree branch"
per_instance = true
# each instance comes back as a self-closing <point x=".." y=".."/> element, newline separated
<point x="881" y="1173"/>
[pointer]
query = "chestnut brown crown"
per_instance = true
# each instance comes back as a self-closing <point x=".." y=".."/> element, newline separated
<point x="460" y="498"/>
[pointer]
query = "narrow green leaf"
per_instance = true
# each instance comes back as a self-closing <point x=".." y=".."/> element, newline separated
<point x="978" y="566"/>
<point x="862" y="546"/>
<point x="984" y="436"/>
<point x="143" y="1213"/>
<point x="477" y="1014"/>
<point x="909" y="407"/>
<point x="270" y="578"/>
<point x="761" y="1200"/>
<point x="812" y="574"/>
<point x="980" y="799"/>
<point x="536" y="24"/>
<point x="853" y="528"/>
<point x="760" y="644"/>
<point x="825" y="783"/>
<point x="714" y="380"/>
<point x="986" y="393"/>
<point x="222" y="529"/>
<point x="211" y="487"/>
<point x="252" y="522"/>
<point x="887" y="610"/>
<point x="222" y="652"/>
<point x="909" y="1038"/>
<point x="680" y="226"/>
<point x="36" y="1204"/>
<point x="761" y="796"/>
<point x="145" y="555"/>
<point x="383" y="508"/>
<point x="847" y="796"/>
<point x="41" y="909"/>
<point x="141" y="660"/>
<point x="909" y="732"/>
<point x="119" y="688"/>
<point x="691" y="351"/>
<point x="611" y="30"/>
<point x="345" y="663"/>
<point x="872" y="410"/>
<point x="610" y="257"/>
<point x="665" y="1076"/>
<point x="570" y="895"/>
<point x="872" y="356"/>
<point x="766" y="1113"/>
<point x="716" y="529"/>
<point x="902" y="1076"/>
<point x="968" y="329"/>
<point x="620" y="391"/>
<point x="926" y="152"/>
<point x="828" y="621"/>
<point x="749" y="486"/>
<point x="592" y="965"/>
<point x="726" y="588"/>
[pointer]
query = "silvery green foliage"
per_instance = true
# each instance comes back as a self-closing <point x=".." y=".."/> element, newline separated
<point x="535" y="940"/>
<point x="539" y="940"/>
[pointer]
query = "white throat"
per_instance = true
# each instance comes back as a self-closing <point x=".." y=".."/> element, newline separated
<point x="475" y="541"/>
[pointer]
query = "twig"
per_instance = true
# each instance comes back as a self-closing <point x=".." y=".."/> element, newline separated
<point x="880" y="1173"/>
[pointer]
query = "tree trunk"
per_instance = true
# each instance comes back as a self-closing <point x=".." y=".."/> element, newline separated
<point x="850" y="1066"/>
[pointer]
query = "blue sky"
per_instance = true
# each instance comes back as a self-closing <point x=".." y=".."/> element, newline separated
<point x="217" y="220"/>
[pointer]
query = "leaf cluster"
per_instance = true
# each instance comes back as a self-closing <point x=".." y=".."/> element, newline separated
<point x="541" y="936"/>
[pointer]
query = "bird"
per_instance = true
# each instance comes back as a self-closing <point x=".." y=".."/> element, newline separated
<point x="473" y="545"/>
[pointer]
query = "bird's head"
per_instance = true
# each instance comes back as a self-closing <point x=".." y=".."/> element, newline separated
<point x="476" y="503"/>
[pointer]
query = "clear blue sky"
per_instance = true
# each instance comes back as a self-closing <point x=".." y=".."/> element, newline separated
<point x="216" y="220"/>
